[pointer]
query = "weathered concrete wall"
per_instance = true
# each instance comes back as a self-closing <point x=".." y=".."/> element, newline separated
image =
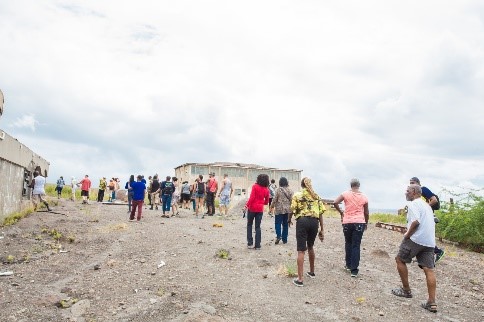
<point x="15" y="160"/>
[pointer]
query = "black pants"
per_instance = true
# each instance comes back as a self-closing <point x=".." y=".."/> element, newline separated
<point x="100" y="195"/>
<point x="211" y="202"/>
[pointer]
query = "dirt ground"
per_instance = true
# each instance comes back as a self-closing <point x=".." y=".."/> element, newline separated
<point x="104" y="268"/>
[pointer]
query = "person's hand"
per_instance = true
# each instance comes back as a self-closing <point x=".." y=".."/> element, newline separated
<point x="289" y="223"/>
<point x="321" y="235"/>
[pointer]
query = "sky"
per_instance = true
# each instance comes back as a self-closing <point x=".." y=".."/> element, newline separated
<point x="377" y="90"/>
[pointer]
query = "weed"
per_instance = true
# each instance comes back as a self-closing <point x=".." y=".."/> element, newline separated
<point x="223" y="253"/>
<point x="10" y="259"/>
<point x="388" y="218"/>
<point x="71" y="238"/>
<point x="289" y="269"/>
<point x="55" y="234"/>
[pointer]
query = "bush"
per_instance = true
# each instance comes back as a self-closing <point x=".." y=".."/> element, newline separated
<point x="463" y="221"/>
<point x="388" y="218"/>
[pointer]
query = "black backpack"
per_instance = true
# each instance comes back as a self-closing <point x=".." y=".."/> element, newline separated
<point x="168" y="189"/>
<point x="201" y="188"/>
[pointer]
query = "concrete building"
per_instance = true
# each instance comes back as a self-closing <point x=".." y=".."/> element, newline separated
<point x="243" y="176"/>
<point x="17" y="164"/>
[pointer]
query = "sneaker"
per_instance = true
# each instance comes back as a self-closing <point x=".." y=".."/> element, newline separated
<point x="347" y="269"/>
<point x="277" y="241"/>
<point x="257" y="248"/>
<point x="439" y="256"/>
<point x="297" y="283"/>
<point x="310" y="274"/>
<point x="250" y="246"/>
<point x="354" y="274"/>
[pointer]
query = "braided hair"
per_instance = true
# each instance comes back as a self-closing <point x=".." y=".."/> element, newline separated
<point x="306" y="183"/>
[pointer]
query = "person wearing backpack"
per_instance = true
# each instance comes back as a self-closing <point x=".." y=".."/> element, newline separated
<point x="199" y="192"/>
<point x="60" y="185"/>
<point x="434" y="203"/>
<point x="167" y="189"/>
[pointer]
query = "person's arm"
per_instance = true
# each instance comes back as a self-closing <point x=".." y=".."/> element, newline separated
<point x="274" y="200"/>
<point x="366" y="211"/>
<point x="413" y="228"/>
<point x="432" y="201"/>
<point x="321" y="226"/>
<point x="336" y="203"/>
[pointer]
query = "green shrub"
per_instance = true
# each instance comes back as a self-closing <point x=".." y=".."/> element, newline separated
<point x="463" y="221"/>
<point x="388" y="218"/>
<point x="13" y="218"/>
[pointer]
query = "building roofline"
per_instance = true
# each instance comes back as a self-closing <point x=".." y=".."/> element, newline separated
<point x="235" y="164"/>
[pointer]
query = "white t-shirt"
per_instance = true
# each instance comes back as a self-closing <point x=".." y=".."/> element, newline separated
<point x="39" y="185"/>
<point x="421" y="211"/>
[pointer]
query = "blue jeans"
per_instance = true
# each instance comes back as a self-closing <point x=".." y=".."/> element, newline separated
<point x="250" y="220"/>
<point x="166" y="199"/>
<point x="353" y="234"/>
<point x="281" y="220"/>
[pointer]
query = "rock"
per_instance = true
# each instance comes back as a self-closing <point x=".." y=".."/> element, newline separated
<point x="153" y="301"/>
<point x="381" y="313"/>
<point x="80" y="308"/>
<point x="96" y="267"/>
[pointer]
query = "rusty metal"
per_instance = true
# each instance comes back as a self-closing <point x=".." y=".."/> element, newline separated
<point x="400" y="229"/>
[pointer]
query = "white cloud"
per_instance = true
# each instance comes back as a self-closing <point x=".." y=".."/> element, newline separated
<point x="26" y="121"/>
<point x="378" y="91"/>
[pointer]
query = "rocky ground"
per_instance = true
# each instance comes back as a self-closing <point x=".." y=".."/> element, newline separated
<point x="88" y="263"/>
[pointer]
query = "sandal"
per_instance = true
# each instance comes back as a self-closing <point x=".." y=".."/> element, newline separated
<point x="432" y="307"/>
<point x="400" y="292"/>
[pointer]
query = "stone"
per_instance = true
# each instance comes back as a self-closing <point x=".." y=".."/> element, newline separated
<point x="80" y="308"/>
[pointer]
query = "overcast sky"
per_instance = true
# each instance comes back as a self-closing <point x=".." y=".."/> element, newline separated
<point x="378" y="90"/>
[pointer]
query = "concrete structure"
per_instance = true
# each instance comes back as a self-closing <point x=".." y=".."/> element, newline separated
<point x="17" y="164"/>
<point x="243" y="176"/>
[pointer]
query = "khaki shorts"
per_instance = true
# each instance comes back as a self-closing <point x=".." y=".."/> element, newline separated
<point x="38" y="198"/>
<point x="155" y="198"/>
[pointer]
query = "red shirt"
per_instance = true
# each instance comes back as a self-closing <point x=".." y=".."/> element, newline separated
<point x="85" y="184"/>
<point x="259" y="196"/>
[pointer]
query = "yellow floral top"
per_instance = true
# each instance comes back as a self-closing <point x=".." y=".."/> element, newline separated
<point x="303" y="204"/>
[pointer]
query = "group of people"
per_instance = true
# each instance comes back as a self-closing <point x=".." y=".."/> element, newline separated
<point x="307" y="208"/>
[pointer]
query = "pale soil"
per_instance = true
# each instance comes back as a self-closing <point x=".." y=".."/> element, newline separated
<point x="195" y="285"/>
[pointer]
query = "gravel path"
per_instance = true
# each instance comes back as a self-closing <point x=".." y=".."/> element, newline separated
<point x="109" y="269"/>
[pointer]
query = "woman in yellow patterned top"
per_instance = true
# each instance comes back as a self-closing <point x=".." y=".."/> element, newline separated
<point x="307" y="207"/>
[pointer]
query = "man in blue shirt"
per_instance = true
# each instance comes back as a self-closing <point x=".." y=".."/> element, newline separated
<point x="433" y="202"/>
<point x="139" y="191"/>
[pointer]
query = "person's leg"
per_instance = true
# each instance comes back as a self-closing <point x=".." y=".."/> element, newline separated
<point x="277" y="227"/>
<point x="300" y="265"/>
<point x="431" y="283"/>
<point x="163" y="203"/>
<point x="250" y="221"/>
<point x="312" y="256"/>
<point x="258" y="232"/>
<point x="168" y="203"/>
<point x="403" y="272"/>
<point x="285" y="228"/>
<point x="130" y="201"/>
<point x="357" y="235"/>
<point x="140" y="209"/>
<point x="347" y="232"/>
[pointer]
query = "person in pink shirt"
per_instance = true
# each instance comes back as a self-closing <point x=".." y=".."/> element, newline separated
<point x="85" y="186"/>
<point x="354" y="219"/>
<point x="259" y="197"/>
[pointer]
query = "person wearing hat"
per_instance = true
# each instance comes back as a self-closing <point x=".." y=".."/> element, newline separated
<point x="434" y="203"/>
<point x="354" y="220"/>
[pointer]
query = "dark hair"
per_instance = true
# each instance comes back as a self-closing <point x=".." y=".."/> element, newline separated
<point x="131" y="178"/>
<point x="200" y="177"/>
<point x="168" y="178"/>
<point x="283" y="182"/>
<point x="273" y="181"/>
<point x="263" y="180"/>
<point x="174" y="179"/>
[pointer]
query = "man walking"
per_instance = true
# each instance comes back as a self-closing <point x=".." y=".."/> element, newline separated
<point x="139" y="191"/>
<point x="102" y="187"/>
<point x="73" y="188"/>
<point x="419" y="242"/>
<point x="38" y="192"/>
<point x="85" y="186"/>
<point x="167" y="190"/>
<point x="59" y="186"/>
<point x="434" y="203"/>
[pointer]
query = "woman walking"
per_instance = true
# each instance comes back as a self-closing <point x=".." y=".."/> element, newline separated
<point x="354" y="220"/>
<point x="281" y="205"/>
<point x="129" y="191"/>
<point x="259" y="197"/>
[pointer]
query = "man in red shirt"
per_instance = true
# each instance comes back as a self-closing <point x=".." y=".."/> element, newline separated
<point x="85" y="187"/>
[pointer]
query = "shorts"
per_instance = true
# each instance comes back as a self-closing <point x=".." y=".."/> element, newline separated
<point x="84" y="193"/>
<point x="155" y="198"/>
<point x="38" y="198"/>
<point x="306" y="232"/>
<point x="224" y="200"/>
<point x="199" y="195"/>
<point x="185" y="196"/>
<point x="409" y="249"/>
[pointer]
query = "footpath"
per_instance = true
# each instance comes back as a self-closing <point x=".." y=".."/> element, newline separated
<point x="89" y="263"/>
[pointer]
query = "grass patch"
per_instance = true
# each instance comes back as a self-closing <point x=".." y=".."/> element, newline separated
<point x="114" y="227"/>
<point x="223" y="254"/>
<point x="388" y="218"/>
<point x="16" y="216"/>
<point x="288" y="269"/>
